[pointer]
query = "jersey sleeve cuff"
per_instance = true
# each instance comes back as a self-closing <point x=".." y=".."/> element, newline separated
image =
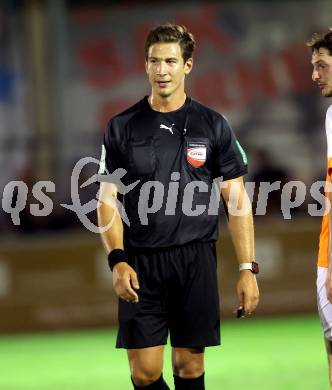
<point x="240" y="173"/>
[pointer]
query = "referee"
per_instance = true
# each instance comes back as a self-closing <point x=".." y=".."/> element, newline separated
<point x="172" y="149"/>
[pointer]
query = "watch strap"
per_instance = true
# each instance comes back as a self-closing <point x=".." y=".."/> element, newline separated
<point x="252" y="266"/>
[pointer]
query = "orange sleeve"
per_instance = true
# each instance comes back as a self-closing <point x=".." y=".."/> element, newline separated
<point x="329" y="166"/>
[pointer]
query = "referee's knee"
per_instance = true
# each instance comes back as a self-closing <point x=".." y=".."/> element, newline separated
<point x="144" y="377"/>
<point x="189" y="371"/>
<point x="188" y="365"/>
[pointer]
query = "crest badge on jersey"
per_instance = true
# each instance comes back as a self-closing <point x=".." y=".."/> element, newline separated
<point x="196" y="154"/>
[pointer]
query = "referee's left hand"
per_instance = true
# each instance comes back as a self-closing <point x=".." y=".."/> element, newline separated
<point x="247" y="291"/>
<point x="125" y="282"/>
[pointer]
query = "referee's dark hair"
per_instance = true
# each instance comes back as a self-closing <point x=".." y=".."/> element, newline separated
<point x="168" y="33"/>
<point x="321" y="40"/>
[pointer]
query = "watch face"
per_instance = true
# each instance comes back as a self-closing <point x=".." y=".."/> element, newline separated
<point x="255" y="268"/>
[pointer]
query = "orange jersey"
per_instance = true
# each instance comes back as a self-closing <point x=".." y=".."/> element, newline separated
<point x="324" y="234"/>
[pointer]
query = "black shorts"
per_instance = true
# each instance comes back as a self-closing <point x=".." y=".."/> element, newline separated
<point x="178" y="294"/>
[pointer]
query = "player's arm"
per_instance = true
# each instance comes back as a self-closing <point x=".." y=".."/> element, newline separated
<point x="241" y="229"/>
<point x="124" y="277"/>
<point x="328" y="283"/>
<point x="328" y="128"/>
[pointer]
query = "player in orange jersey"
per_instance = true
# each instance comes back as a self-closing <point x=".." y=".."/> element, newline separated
<point x="321" y="60"/>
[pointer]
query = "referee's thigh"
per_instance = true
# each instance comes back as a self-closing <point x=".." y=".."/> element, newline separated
<point x="193" y="299"/>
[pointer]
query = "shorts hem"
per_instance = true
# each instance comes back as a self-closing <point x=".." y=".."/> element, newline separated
<point x="141" y="346"/>
<point x="193" y="345"/>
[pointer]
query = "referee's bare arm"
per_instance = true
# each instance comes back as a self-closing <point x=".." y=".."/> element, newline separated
<point x="125" y="280"/>
<point x="241" y="228"/>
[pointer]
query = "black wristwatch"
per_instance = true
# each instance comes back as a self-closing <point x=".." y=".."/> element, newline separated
<point x="252" y="266"/>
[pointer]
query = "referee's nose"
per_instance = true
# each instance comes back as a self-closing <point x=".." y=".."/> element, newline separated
<point x="161" y="68"/>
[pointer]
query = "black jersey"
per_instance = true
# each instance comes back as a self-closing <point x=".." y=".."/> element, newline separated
<point x="173" y="158"/>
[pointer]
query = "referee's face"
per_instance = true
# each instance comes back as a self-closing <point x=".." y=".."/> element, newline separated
<point x="322" y="70"/>
<point x="166" y="69"/>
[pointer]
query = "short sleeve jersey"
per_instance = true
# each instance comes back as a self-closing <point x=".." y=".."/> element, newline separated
<point x="324" y="235"/>
<point x="174" y="158"/>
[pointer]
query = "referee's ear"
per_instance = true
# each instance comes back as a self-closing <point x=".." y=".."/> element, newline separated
<point x="188" y="65"/>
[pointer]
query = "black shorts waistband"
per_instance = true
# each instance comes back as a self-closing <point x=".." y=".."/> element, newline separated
<point x="149" y="250"/>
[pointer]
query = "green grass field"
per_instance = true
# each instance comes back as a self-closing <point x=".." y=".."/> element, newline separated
<point x="273" y="354"/>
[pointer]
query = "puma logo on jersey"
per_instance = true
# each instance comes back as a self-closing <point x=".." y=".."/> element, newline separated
<point x="167" y="127"/>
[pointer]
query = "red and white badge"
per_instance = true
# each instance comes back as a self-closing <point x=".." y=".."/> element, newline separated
<point x="196" y="154"/>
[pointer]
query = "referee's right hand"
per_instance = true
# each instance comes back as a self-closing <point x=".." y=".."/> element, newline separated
<point x="125" y="282"/>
